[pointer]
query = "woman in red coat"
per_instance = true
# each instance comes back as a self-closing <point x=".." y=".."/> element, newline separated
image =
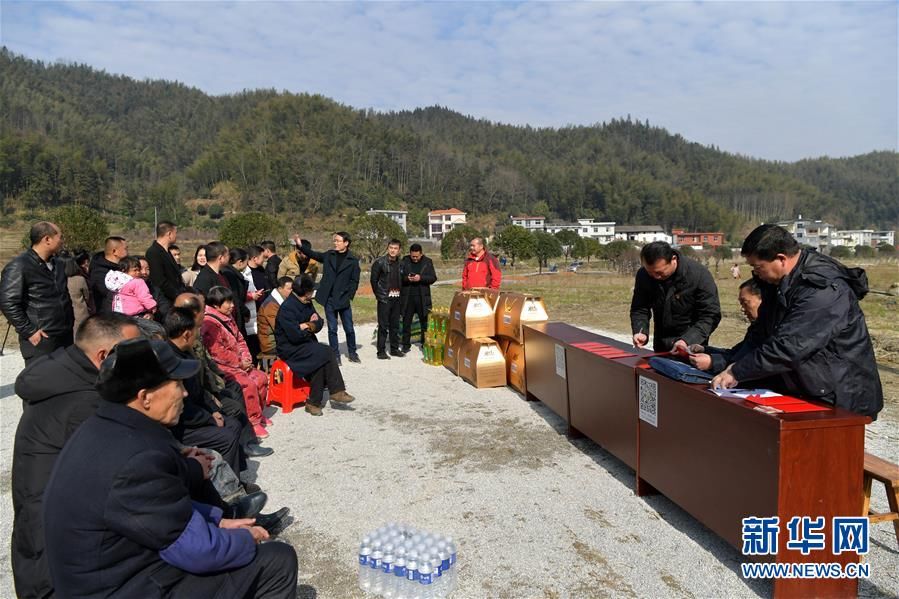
<point x="228" y="348"/>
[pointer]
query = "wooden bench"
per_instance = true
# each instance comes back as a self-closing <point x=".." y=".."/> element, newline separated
<point x="888" y="473"/>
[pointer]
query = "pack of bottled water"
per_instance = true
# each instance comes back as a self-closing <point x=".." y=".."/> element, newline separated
<point x="398" y="561"/>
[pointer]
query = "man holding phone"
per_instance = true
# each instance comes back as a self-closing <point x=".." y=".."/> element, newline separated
<point x="418" y="276"/>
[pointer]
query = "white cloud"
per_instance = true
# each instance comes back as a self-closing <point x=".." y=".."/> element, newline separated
<point x="781" y="80"/>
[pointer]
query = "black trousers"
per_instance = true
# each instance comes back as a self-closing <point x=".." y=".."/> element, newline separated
<point x="254" y="347"/>
<point x="327" y="377"/>
<point x="223" y="439"/>
<point x="233" y="407"/>
<point x="389" y="323"/>
<point x="414" y="305"/>
<point x="47" y="345"/>
<point x="271" y="575"/>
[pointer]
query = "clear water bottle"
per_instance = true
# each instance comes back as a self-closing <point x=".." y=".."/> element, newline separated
<point x="399" y="579"/>
<point x="412" y="587"/>
<point x="426" y="580"/>
<point x="387" y="575"/>
<point x="445" y="574"/>
<point x="377" y="581"/>
<point x="364" y="569"/>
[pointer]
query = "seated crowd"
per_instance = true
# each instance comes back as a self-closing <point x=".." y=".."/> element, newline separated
<point x="142" y="391"/>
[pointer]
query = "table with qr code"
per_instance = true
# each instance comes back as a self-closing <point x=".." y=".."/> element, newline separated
<point x="721" y="461"/>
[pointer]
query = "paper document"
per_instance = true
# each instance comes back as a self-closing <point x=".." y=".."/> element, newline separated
<point x="745" y="393"/>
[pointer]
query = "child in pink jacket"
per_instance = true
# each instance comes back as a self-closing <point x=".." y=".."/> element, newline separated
<point x="131" y="295"/>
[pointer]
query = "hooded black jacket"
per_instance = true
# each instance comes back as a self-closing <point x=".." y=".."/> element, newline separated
<point x="684" y="306"/>
<point x="813" y="337"/>
<point x="59" y="394"/>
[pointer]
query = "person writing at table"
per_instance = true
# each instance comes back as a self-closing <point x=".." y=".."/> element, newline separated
<point x="812" y="337"/>
<point x="679" y="294"/>
<point x="716" y="359"/>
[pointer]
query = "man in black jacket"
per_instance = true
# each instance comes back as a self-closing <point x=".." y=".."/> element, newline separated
<point x="58" y="393"/>
<point x="418" y="276"/>
<point x="812" y="333"/>
<point x="272" y="262"/>
<point x="135" y="527"/>
<point x="387" y="285"/>
<point x="337" y="289"/>
<point x="34" y="294"/>
<point x="202" y="424"/>
<point x="679" y="294"/>
<point x="210" y="275"/>
<point x="114" y="249"/>
<point x="165" y="274"/>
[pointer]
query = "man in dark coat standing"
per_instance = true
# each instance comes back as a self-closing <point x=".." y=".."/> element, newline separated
<point x="210" y="276"/>
<point x="295" y="328"/>
<point x="386" y="285"/>
<point x="337" y="289"/>
<point x="132" y="528"/>
<point x="165" y="274"/>
<point x="679" y="294"/>
<point x="59" y="393"/>
<point x="811" y="333"/>
<point x="114" y="249"/>
<point x="418" y="276"/>
<point x="272" y="262"/>
<point x="34" y="294"/>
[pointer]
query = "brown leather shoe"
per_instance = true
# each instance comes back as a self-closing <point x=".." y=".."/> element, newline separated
<point x="342" y="397"/>
<point x="314" y="410"/>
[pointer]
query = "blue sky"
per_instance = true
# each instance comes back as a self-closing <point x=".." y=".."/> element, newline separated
<point x="776" y="80"/>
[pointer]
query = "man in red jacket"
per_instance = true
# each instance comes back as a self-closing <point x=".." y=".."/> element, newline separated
<point x="481" y="267"/>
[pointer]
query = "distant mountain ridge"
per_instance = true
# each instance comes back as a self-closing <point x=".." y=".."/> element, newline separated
<point x="72" y="133"/>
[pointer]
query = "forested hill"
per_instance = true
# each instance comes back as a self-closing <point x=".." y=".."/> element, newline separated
<point x="71" y="133"/>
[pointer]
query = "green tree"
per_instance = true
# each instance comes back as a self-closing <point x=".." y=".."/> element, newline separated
<point x="589" y="249"/>
<point x="864" y="251"/>
<point x="372" y="232"/>
<point x="82" y="227"/>
<point x="216" y="211"/>
<point x="616" y="249"/>
<point x="568" y="239"/>
<point x="248" y="229"/>
<point x="546" y="246"/>
<point x="885" y="249"/>
<point x="840" y="251"/>
<point x="516" y="242"/>
<point x="722" y="252"/>
<point x="455" y="243"/>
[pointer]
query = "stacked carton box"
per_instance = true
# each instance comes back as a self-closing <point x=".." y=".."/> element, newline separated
<point x="481" y="363"/>
<point x="513" y="310"/>
<point x="514" y="355"/>
<point x="472" y="315"/>
<point x="452" y="349"/>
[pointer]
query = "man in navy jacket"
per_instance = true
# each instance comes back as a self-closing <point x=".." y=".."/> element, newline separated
<point x="132" y="529"/>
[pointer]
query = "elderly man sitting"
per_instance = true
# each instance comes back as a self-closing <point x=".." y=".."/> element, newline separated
<point x="132" y="529"/>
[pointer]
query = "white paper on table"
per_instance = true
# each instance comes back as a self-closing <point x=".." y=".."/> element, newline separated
<point x="745" y="393"/>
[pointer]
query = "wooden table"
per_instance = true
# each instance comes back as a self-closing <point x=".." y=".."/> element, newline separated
<point x="721" y="460"/>
<point x="602" y="397"/>
<point x="546" y="347"/>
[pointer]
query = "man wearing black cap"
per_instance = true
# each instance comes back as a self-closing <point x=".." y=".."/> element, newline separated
<point x="132" y="529"/>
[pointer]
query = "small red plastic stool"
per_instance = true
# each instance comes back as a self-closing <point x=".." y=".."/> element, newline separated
<point x="285" y="389"/>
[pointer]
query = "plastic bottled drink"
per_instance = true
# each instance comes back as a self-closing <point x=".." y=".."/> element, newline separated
<point x="398" y="584"/>
<point x="426" y="580"/>
<point x="445" y="574"/>
<point x="364" y="569"/>
<point x="412" y="587"/>
<point x="374" y="563"/>
<point x="386" y="575"/>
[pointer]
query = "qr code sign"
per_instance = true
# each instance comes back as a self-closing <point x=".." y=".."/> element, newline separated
<point x="649" y="401"/>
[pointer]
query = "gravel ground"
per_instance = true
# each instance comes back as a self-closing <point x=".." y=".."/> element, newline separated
<point x="535" y="514"/>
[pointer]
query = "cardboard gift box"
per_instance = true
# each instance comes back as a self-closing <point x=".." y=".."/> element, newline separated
<point x="491" y="295"/>
<point x="451" y="351"/>
<point x="513" y="352"/>
<point x="481" y="363"/>
<point x="471" y="315"/>
<point x="516" y="309"/>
